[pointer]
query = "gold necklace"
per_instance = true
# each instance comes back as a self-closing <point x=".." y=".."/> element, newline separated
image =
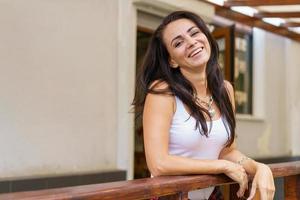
<point x="210" y="109"/>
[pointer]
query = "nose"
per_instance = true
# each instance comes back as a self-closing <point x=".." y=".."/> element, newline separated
<point x="191" y="41"/>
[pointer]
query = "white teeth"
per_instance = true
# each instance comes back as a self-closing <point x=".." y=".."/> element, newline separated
<point x="196" y="52"/>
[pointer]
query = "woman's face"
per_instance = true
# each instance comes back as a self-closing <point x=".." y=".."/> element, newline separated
<point x="187" y="45"/>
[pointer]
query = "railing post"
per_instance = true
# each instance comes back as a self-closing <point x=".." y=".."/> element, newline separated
<point x="183" y="196"/>
<point x="233" y="190"/>
<point x="178" y="196"/>
<point x="292" y="187"/>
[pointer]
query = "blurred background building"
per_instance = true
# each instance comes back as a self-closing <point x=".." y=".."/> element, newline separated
<point x="67" y="78"/>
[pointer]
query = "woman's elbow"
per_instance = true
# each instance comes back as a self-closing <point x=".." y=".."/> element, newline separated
<point x="157" y="169"/>
<point x="155" y="172"/>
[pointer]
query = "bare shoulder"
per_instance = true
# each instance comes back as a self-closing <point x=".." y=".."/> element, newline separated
<point x="230" y="91"/>
<point x="159" y="85"/>
<point x="229" y="88"/>
<point x="165" y="101"/>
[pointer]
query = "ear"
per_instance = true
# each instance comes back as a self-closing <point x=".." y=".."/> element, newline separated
<point x="173" y="63"/>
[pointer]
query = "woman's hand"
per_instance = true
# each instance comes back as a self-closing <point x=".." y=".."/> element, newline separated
<point x="237" y="173"/>
<point x="263" y="181"/>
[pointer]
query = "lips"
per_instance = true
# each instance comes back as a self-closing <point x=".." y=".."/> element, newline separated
<point x="195" y="52"/>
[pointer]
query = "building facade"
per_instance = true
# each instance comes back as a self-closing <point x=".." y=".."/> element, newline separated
<point x="67" y="82"/>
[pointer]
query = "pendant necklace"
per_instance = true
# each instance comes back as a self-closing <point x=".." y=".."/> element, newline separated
<point x="211" y="110"/>
<point x="208" y="104"/>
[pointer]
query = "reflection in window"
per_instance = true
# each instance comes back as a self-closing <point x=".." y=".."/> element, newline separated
<point x="235" y="59"/>
<point x="221" y="44"/>
<point x="243" y="73"/>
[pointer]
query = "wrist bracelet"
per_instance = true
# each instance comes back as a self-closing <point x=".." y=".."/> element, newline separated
<point x="240" y="162"/>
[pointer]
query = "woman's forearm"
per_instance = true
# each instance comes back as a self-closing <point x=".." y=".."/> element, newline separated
<point x="236" y="156"/>
<point x="177" y="165"/>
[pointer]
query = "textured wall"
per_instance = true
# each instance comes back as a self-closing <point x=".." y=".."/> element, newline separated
<point x="58" y="86"/>
<point x="292" y="94"/>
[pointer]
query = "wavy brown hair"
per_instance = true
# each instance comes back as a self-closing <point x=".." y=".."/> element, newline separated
<point x="156" y="68"/>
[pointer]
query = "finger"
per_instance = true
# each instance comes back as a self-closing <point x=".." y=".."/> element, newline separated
<point x="243" y="187"/>
<point x="271" y="194"/>
<point x="240" y="192"/>
<point x="248" y="186"/>
<point x="245" y="183"/>
<point x="252" y="193"/>
<point x="264" y="194"/>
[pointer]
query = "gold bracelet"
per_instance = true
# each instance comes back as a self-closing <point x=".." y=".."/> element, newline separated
<point x="240" y="162"/>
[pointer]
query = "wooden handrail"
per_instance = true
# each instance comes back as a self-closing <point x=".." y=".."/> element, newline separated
<point x="148" y="187"/>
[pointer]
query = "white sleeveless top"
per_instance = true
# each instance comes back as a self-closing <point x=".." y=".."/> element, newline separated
<point x="186" y="141"/>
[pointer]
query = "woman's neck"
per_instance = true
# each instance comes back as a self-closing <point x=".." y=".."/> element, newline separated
<point x="198" y="80"/>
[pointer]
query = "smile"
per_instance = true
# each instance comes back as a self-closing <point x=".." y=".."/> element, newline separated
<point x="195" y="52"/>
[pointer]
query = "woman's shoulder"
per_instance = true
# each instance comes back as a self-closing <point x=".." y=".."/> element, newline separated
<point x="230" y="91"/>
<point x="228" y="87"/>
<point x="161" y="95"/>
<point x="159" y="85"/>
<point x="228" y="84"/>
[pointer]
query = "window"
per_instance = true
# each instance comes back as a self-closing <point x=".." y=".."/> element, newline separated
<point x="243" y="73"/>
<point x="235" y="58"/>
<point x="140" y="165"/>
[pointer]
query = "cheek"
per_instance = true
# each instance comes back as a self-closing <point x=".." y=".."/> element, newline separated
<point x="209" y="50"/>
<point x="177" y="54"/>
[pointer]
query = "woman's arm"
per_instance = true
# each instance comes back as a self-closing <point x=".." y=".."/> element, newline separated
<point x="263" y="179"/>
<point x="231" y="153"/>
<point x="157" y="117"/>
<point x="234" y="155"/>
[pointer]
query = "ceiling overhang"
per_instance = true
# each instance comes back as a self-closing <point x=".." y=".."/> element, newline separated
<point x="288" y="11"/>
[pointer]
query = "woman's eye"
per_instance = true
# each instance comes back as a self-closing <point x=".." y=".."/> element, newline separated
<point x="177" y="44"/>
<point x="194" y="33"/>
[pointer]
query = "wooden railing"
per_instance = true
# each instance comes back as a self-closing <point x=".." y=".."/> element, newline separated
<point x="171" y="187"/>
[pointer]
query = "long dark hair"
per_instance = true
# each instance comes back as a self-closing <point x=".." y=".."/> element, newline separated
<point x="156" y="69"/>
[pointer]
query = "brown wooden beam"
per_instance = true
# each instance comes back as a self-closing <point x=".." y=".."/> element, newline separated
<point x="230" y="3"/>
<point x="255" y="22"/>
<point x="239" y="18"/>
<point x="153" y="187"/>
<point x="290" y="24"/>
<point x="277" y="14"/>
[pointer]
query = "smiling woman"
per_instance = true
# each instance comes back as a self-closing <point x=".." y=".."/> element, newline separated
<point x="188" y="110"/>
<point x="187" y="45"/>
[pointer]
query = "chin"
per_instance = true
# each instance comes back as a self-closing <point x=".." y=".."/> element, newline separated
<point x="201" y="63"/>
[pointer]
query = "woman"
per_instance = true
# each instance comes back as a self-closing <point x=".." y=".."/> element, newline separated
<point x="188" y="109"/>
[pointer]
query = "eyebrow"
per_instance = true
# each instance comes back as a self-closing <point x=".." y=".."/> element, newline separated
<point x="179" y="36"/>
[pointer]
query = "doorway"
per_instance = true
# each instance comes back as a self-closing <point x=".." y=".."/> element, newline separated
<point x="140" y="165"/>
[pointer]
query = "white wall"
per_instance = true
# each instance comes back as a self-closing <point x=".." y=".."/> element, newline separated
<point x="273" y="127"/>
<point x="58" y="86"/>
<point x="126" y="81"/>
<point x="292" y="51"/>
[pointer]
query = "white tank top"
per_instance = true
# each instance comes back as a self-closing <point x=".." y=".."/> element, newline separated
<point x="186" y="141"/>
